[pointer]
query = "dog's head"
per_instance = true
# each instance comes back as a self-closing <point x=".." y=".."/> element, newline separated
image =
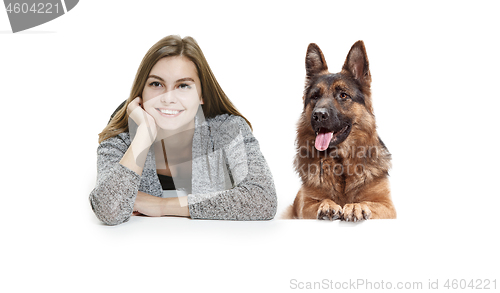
<point x="338" y="104"/>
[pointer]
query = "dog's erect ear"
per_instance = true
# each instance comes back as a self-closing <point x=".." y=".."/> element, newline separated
<point x="315" y="61"/>
<point x="356" y="63"/>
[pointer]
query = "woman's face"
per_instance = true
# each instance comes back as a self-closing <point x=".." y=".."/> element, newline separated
<point x="172" y="94"/>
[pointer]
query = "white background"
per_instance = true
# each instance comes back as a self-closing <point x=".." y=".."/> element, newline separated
<point x="435" y="70"/>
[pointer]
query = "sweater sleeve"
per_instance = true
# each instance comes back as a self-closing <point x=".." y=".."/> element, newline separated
<point x="113" y="198"/>
<point x="253" y="196"/>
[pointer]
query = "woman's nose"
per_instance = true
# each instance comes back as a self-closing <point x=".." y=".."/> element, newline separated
<point x="168" y="97"/>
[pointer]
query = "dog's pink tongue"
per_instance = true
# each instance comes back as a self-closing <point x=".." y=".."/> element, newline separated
<point x="323" y="140"/>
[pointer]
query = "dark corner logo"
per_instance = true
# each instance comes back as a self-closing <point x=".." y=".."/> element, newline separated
<point x="30" y="13"/>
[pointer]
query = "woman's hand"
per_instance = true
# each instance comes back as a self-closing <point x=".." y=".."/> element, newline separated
<point x="145" y="135"/>
<point x="144" y="121"/>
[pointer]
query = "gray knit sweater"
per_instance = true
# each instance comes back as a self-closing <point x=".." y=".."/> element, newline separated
<point x="230" y="178"/>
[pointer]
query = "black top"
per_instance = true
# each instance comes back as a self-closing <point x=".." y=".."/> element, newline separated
<point x="167" y="182"/>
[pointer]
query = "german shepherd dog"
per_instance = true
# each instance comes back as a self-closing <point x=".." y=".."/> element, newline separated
<point x="342" y="162"/>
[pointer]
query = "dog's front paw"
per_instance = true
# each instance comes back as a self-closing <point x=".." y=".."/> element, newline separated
<point x="329" y="210"/>
<point x="354" y="212"/>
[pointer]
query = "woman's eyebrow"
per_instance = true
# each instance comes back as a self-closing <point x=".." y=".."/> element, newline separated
<point x="177" y="81"/>
<point x="157" y="77"/>
<point x="185" y="79"/>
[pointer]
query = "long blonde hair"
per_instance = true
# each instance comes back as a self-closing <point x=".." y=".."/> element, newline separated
<point x="215" y="101"/>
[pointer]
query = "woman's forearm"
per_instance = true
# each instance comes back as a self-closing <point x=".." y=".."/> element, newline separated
<point x="176" y="206"/>
<point x="135" y="157"/>
<point x="153" y="206"/>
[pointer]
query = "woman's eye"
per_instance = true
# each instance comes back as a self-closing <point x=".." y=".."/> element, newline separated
<point x="184" y="86"/>
<point x="155" y="84"/>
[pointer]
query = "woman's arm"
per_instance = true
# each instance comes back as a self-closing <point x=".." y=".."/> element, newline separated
<point x="119" y="165"/>
<point x="153" y="206"/>
<point x="135" y="156"/>
<point x="116" y="195"/>
<point x="254" y="194"/>
<point x="145" y="135"/>
<point x="113" y="197"/>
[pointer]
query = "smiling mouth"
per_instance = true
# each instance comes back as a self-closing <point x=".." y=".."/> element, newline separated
<point x="169" y="113"/>
<point x="325" y="137"/>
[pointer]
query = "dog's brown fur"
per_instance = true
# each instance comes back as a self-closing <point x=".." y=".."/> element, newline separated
<point x="350" y="180"/>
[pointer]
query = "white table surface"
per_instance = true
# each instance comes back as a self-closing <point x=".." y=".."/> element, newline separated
<point x="184" y="255"/>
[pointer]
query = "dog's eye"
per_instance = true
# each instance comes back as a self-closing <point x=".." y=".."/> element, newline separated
<point x="314" y="96"/>
<point x="344" y="96"/>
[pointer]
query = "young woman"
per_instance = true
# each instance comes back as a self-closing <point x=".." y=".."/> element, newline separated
<point x="178" y="130"/>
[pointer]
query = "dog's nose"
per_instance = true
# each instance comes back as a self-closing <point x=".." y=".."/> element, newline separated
<point x="320" y="114"/>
